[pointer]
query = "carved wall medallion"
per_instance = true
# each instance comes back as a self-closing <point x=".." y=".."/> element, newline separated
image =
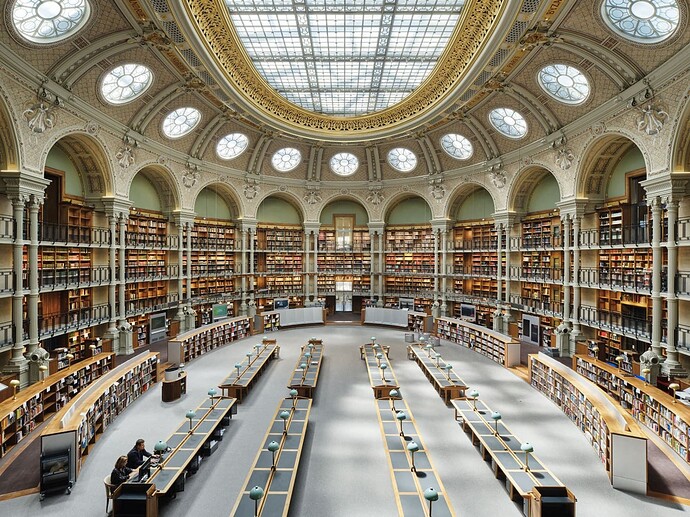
<point x="41" y="117"/>
<point x="312" y="197"/>
<point x="251" y="189"/>
<point x="375" y="197"/>
<point x="498" y="178"/>
<point x="190" y="175"/>
<point x="651" y="119"/>
<point x="125" y="155"/>
<point x="564" y="158"/>
<point x="92" y="128"/>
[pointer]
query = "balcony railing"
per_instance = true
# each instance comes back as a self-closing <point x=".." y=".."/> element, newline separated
<point x="75" y="277"/>
<point x="614" y="321"/>
<point x="57" y="323"/>
<point x="59" y="233"/>
<point x="638" y="280"/>
<point x="6" y="337"/>
<point x="151" y="272"/>
<point x="537" y="305"/>
<point x="545" y="274"/>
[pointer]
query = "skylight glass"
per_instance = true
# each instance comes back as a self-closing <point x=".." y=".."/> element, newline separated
<point x="286" y="159"/>
<point x="644" y="21"/>
<point x="509" y="122"/>
<point x="232" y="145"/>
<point x="402" y="159"/>
<point x="344" y="58"/>
<point x="125" y="83"/>
<point x="457" y="146"/>
<point x="564" y="82"/>
<point x="180" y="122"/>
<point x="344" y="164"/>
<point x="48" y="21"/>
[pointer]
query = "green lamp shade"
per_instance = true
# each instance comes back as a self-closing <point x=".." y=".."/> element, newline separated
<point x="437" y="356"/>
<point x="293" y="393"/>
<point x="401" y="415"/>
<point x="412" y="446"/>
<point x="256" y="347"/>
<point x="422" y="339"/>
<point x="307" y="355"/>
<point x="249" y="354"/>
<point x="212" y="392"/>
<point x="256" y="493"/>
<point x="191" y="414"/>
<point x="384" y="366"/>
<point x="429" y="346"/>
<point x="313" y="338"/>
<point x="496" y="415"/>
<point x="448" y="367"/>
<point x="373" y="338"/>
<point x="473" y="394"/>
<point x="526" y="447"/>
<point x="284" y="415"/>
<point x="310" y="346"/>
<point x="430" y="494"/>
<point x="238" y="365"/>
<point x="379" y="356"/>
<point x="377" y="346"/>
<point x="394" y="393"/>
<point x="160" y="446"/>
<point x="303" y="365"/>
<point x="273" y="446"/>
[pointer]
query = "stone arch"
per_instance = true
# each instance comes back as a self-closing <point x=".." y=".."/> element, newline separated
<point x="286" y="196"/>
<point x="163" y="178"/>
<point x="460" y="193"/>
<point x="344" y="197"/>
<point x="226" y="192"/>
<point x="679" y="157"/>
<point x="396" y="199"/>
<point x="598" y="160"/>
<point x="523" y="185"/>
<point x="9" y="139"/>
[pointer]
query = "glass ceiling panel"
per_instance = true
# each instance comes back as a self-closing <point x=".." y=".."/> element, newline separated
<point x="345" y="57"/>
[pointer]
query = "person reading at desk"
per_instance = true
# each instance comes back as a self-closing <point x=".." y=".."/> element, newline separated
<point x="136" y="456"/>
<point x="120" y="473"/>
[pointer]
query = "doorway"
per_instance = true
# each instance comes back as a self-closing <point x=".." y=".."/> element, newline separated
<point x="343" y="296"/>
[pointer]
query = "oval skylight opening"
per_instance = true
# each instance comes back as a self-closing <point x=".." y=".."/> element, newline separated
<point x="344" y="164"/>
<point x="457" y="146"/>
<point x="49" y="21"/>
<point x="402" y="159"/>
<point x="232" y="145"/>
<point x="642" y="21"/>
<point x="286" y="159"/>
<point x="125" y="83"/>
<point x="508" y="122"/>
<point x="180" y="122"/>
<point x="564" y="83"/>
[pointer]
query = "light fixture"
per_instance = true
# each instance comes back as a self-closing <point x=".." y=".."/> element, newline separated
<point x="249" y="357"/>
<point x="15" y="385"/>
<point x="303" y="366"/>
<point x="646" y="372"/>
<point x="413" y="447"/>
<point x="673" y="387"/>
<point x="310" y="346"/>
<point x="212" y="393"/>
<point x="526" y="448"/>
<point x="284" y="415"/>
<point x="393" y="394"/>
<point x="595" y="350"/>
<point x="379" y="356"/>
<point x="448" y="368"/>
<point x="273" y="446"/>
<point x="438" y="358"/>
<point x="238" y="366"/>
<point x="496" y="416"/>
<point x="160" y="447"/>
<point x="474" y="395"/>
<point x="619" y="360"/>
<point x="255" y="494"/>
<point x="383" y="367"/>
<point x="401" y="415"/>
<point x="293" y="394"/>
<point x="42" y="372"/>
<point x="190" y="415"/>
<point x="430" y="495"/>
<point x="373" y="340"/>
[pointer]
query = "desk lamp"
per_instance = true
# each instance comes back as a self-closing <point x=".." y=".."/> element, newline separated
<point x="496" y="417"/>
<point x="249" y="357"/>
<point x="438" y="358"/>
<point x="474" y="395"/>
<point x="376" y="347"/>
<point x="373" y="340"/>
<point x="212" y="393"/>
<point x="413" y="447"/>
<point x="93" y="349"/>
<point x="69" y="359"/>
<point x="293" y="394"/>
<point x="273" y="446"/>
<point x="15" y="385"/>
<point x="379" y="356"/>
<point x="646" y="372"/>
<point x="42" y="369"/>
<point x="284" y="415"/>
<point x="304" y="370"/>
<point x="619" y="360"/>
<point x="383" y="367"/>
<point x="448" y="368"/>
<point x="190" y="415"/>
<point x="393" y="394"/>
<point x="595" y="351"/>
<point x="255" y="494"/>
<point x="401" y="415"/>
<point x="310" y="346"/>
<point x="526" y="448"/>
<point x="673" y="387"/>
<point x="430" y="495"/>
<point x="428" y="349"/>
<point x="307" y="356"/>
<point x="238" y="366"/>
<point x="257" y="347"/>
<point x="160" y="447"/>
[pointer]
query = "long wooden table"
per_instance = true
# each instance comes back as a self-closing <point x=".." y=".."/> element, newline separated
<point x="277" y="482"/>
<point x="238" y="384"/>
<point x="304" y="379"/>
<point x="382" y="381"/>
<point x="446" y="382"/>
<point x="510" y="464"/>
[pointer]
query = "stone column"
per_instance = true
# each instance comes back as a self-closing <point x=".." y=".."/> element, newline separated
<point x="315" y="264"/>
<point x="656" y="276"/>
<point x="444" y="265"/>
<point x="243" y="270"/>
<point x="32" y="303"/>
<point x="499" y="265"/>
<point x="180" y="316"/>
<point x="126" y="345"/>
<point x="112" y="285"/>
<point x="567" y="227"/>
<point x="372" y="264"/>
<point x="575" y="316"/>
<point x="382" y="286"/>
<point x="18" y="363"/>
<point x="671" y="366"/>
<point x="436" y="264"/>
<point x="307" y="264"/>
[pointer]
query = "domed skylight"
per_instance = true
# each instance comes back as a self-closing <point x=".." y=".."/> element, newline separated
<point x="286" y="159"/>
<point x="232" y="145"/>
<point x="457" y="146"/>
<point x="125" y="83"/>
<point x="402" y="159"/>
<point x="508" y="122"/>
<point x="644" y="21"/>
<point x="344" y="164"/>
<point x="48" y="21"/>
<point x="180" y="122"/>
<point x="564" y="82"/>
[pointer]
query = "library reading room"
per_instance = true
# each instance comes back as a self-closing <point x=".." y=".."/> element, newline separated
<point x="345" y="258"/>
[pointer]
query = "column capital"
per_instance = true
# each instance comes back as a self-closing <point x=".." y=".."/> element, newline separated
<point x="505" y="219"/>
<point x="23" y="185"/>
<point x="247" y="224"/>
<point x="667" y="187"/>
<point x="311" y="227"/>
<point x="441" y="225"/>
<point x="115" y="207"/>
<point x="574" y="208"/>
<point x="376" y="227"/>
<point x="182" y="217"/>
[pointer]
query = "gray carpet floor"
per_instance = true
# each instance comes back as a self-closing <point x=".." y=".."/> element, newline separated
<point x="344" y="471"/>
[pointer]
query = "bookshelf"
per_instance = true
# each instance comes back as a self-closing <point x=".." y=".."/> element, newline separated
<point x="213" y="258"/>
<point x="613" y="434"/>
<point x="629" y="269"/>
<point x="409" y="263"/>
<point x="146" y="230"/>
<point x="541" y="231"/>
<point x="78" y="219"/>
<point x="280" y="238"/>
<point x="87" y="417"/>
<point x="483" y="313"/>
<point x="40" y="401"/>
<point x="498" y="347"/>
<point x="192" y="344"/>
<point x="419" y="322"/>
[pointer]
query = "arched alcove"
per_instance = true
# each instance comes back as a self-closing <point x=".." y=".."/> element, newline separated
<point x="470" y="203"/>
<point x="409" y="210"/>
<point x="153" y="188"/>
<point x="211" y="203"/>
<point x="344" y="206"/>
<point x="534" y="190"/>
<point x="278" y="210"/>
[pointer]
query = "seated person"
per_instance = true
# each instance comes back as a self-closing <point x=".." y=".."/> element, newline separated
<point x="120" y="473"/>
<point x="136" y="456"/>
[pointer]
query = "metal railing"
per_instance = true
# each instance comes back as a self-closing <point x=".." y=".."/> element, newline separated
<point x="51" y="324"/>
<point x="537" y="305"/>
<point x="69" y="234"/>
<point x="615" y="321"/>
<point x="638" y="280"/>
<point x="537" y="273"/>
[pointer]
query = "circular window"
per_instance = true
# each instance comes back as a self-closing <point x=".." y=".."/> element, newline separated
<point x="232" y="145"/>
<point x="180" y="122"/>
<point x="402" y="159"/>
<point x="48" y="21"/>
<point x="344" y="164"/>
<point x="457" y="146"/>
<point x="125" y="83"/>
<point x="508" y="122"/>
<point x="644" y="21"/>
<point x="286" y="159"/>
<point x="565" y="83"/>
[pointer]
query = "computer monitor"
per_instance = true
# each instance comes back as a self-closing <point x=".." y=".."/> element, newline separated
<point x="144" y="470"/>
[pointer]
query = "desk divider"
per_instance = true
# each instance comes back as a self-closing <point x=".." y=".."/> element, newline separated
<point x="304" y="380"/>
<point x="439" y="373"/>
<point x="238" y="383"/>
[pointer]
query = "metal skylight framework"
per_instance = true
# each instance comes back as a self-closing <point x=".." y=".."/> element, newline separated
<point x="345" y="57"/>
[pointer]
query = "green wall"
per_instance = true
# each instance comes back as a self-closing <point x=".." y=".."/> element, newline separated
<point x="211" y="204"/>
<point x="143" y="194"/>
<point x="478" y="205"/>
<point x="57" y="159"/>
<point x="344" y="207"/>
<point x="410" y="211"/>
<point x="276" y="210"/>
<point x="631" y="161"/>
<point x="545" y="195"/>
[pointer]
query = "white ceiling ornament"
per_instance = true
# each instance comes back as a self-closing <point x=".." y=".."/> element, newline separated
<point x="190" y="175"/>
<point x="42" y="116"/>
<point x="312" y="197"/>
<point x="375" y="196"/>
<point x="125" y="155"/>
<point x="651" y="119"/>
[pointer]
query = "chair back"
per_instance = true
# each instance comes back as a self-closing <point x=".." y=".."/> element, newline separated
<point x="108" y="487"/>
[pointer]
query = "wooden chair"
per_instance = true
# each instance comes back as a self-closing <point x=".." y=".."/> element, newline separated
<point x="108" y="491"/>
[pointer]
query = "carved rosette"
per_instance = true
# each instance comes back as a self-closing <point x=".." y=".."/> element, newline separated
<point x="651" y="119"/>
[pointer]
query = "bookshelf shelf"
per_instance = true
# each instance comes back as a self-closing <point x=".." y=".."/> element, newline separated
<point x="496" y="346"/>
<point x="192" y="344"/>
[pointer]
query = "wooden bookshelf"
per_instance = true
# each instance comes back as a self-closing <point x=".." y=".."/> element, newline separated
<point x="146" y="230"/>
<point x="280" y="238"/>
<point x="419" y="322"/>
<point x="615" y="436"/>
<point x="649" y="405"/>
<point x="192" y="344"/>
<point x="475" y="235"/>
<point x="88" y="416"/>
<point x="78" y="219"/>
<point x="498" y="347"/>
<point x="630" y="269"/>
<point x="41" y="400"/>
<point x="541" y="231"/>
